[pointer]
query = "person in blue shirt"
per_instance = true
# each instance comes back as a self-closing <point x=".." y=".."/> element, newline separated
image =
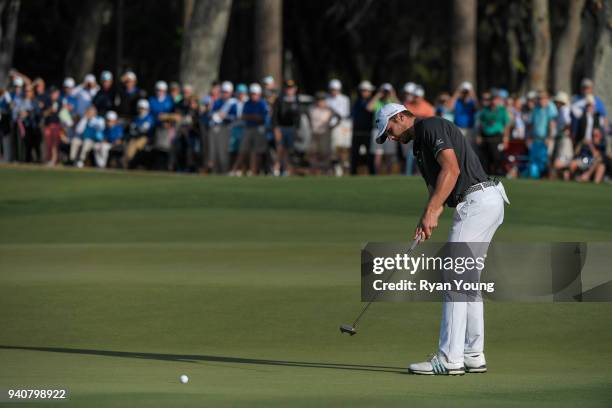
<point x="113" y="139"/>
<point x="465" y="106"/>
<point x="161" y="102"/>
<point x="219" y="130"/>
<point x="140" y="133"/>
<point x="234" y="114"/>
<point x="89" y="132"/>
<point x="254" y="143"/>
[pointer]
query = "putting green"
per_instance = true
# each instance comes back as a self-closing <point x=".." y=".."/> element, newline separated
<point x="114" y="284"/>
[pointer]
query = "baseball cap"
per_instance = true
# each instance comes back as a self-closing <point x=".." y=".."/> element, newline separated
<point x="335" y="84"/>
<point x="255" y="88"/>
<point x="143" y="104"/>
<point x="419" y="91"/>
<point x="69" y="82"/>
<point x="387" y="87"/>
<point x="90" y="78"/>
<point x="106" y="76"/>
<point x="586" y="82"/>
<point x="268" y="80"/>
<point x="227" y="86"/>
<point x="561" y="97"/>
<point x="242" y="88"/>
<point x="532" y="95"/>
<point x="382" y="119"/>
<point x="466" y="86"/>
<point x="131" y="76"/>
<point x="18" y="81"/>
<point x="111" y="115"/>
<point x="161" y="86"/>
<point x="410" y="87"/>
<point x="366" y="86"/>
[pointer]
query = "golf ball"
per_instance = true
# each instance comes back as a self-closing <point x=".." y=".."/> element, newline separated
<point x="184" y="379"/>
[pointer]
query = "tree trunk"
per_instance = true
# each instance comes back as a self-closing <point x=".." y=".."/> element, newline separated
<point x="9" y="10"/>
<point x="203" y="43"/>
<point x="603" y="59"/>
<point x="268" y="39"/>
<point x="565" y="52"/>
<point x="538" y="66"/>
<point x="81" y="53"/>
<point x="463" y="42"/>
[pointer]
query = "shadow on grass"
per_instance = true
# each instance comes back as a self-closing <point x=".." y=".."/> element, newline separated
<point x="195" y="358"/>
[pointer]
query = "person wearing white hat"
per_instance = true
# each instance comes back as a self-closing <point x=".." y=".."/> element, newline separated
<point x="84" y="94"/>
<point x="105" y="97"/>
<point x="580" y="102"/>
<point x="464" y="105"/>
<point x="254" y="144"/>
<point x="385" y="155"/>
<point x="455" y="178"/>
<point x="161" y="102"/>
<point x="128" y="96"/>
<point x="88" y="134"/>
<point x="363" y="120"/>
<point x="113" y="140"/>
<point x="341" y="134"/>
<point x="219" y="130"/>
<point x="140" y="132"/>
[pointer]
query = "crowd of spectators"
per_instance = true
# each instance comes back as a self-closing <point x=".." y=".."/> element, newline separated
<point x="261" y="129"/>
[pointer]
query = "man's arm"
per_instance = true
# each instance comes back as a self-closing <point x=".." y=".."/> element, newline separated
<point x="449" y="173"/>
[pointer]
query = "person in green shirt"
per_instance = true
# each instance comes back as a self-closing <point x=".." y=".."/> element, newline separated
<point x="493" y="122"/>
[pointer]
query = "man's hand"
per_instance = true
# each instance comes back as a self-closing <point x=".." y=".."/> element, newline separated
<point x="429" y="221"/>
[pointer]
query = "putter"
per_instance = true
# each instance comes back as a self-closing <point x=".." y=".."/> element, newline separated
<point x="351" y="329"/>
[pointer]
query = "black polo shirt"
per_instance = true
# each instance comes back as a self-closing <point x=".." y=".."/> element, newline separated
<point x="431" y="136"/>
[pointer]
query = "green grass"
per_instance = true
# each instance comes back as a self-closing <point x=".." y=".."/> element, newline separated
<point x="115" y="284"/>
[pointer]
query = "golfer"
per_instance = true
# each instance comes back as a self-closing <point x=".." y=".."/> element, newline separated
<point x="455" y="177"/>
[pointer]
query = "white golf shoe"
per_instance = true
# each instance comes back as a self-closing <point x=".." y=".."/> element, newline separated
<point x="475" y="363"/>
<point x="436" y="365"/>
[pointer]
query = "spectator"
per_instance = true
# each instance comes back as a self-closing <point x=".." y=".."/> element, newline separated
<point x="322" y="120"/>
<point x="206" y="104"/>
<point x="128" y="96"/>
<point x="465" y="106"/>
<point x="363" y="120"/>
<point x="418" y="105"/>
<point x="285" y="122"/>
<point x="493" y="119"/>
<point x="89" y="134"/>
<point x="186" y="102"/>
<point x="385" y="155"/>
<point x="235" y="113"/>
<point x="140" y="132"/>
<point x="517" y="119"/>
<point x="590" y="160"/>
<point x="40" y="93"/>
<point x="219" y="130"/>
<point x="175" y="93"/>
<point x="564" y="115"/>
<point x="443" y="107"/>
<point x="580" y="102"/>
<point x="112" y="144"/>
<point x="84" y="94"/>
<point x="254" y="144"/>
<point x="52" y="125"/>
<point x="26" y="114"/>
<point x="161" y="102"/>
<point x="341" y="133"/>
<point x="5" y="125"/>
<point x="104" y="100"/>
<point x="563" y="155"/>
<point x="588" y="120"/>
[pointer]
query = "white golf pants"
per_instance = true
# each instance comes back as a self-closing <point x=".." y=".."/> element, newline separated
<point x="475" y="220"/>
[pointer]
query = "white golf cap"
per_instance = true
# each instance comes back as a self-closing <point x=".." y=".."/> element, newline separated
<point x="387" y="87"/>
<point x="227" y="86"/>
<point x="586" y="82"/>
<point x="419" y="91"/>
<point x="532" y="95"/>
<point x="106" y="76"/>
<point x="130" y="76"/>
<point x="268" y="80"/>
<point x="143" y="104"/>
<point x="90" y="78"/>
<point x="161" y="86"/>
<point x="410" y="87"/>
<point x="255" y="88"/>
<point x="111" y="115"/>
<point x="366" y="86"/>
<point x="18" y="81"/>
<point x="69" y="82"/>
<point x="335" y="84"/>
<point x="466" y="86"/>
<point x="382" y="119"/>
<point x="561" y="97"/>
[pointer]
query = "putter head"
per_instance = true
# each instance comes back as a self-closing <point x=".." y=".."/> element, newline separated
<point x="347" y="328"/>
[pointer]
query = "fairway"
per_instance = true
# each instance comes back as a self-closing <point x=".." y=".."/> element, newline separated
<point x="114" y="284"/>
